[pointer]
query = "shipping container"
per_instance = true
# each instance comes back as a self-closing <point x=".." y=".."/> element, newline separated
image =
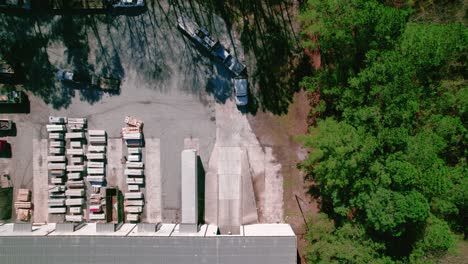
<point x="76" y="210"/>
<point x="56" y="180"/>
<point x="75" y="127"/>
<point x="56" y="202"/>
<point x="93" y="216"/>
<point x="95" y="171"/>
<point x="97" y="133"/>
<point x="77" y="160"/>
<point x="95" y="178"/>
<point x="56" y="188"/>
<point x="75" y="184"/>
<point x="134" y="203"/>
<point x="75" y="135"/>
<point x="133" y="136"/>
<point x="96" y="208"/>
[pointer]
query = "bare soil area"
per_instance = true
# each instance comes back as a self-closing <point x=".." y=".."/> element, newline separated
<point x="279" y="132"/>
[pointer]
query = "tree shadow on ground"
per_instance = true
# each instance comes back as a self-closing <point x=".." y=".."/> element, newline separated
<point x="266" y="32"/>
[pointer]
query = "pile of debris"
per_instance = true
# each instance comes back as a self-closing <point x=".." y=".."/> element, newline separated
<point x="23" y="205"/>
<point x="132" y="133"/>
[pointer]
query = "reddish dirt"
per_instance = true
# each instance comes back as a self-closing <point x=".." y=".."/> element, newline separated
<point x="280" y="132"/>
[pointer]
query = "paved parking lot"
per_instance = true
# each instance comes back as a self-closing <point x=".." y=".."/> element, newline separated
<point x="177" y="91"/>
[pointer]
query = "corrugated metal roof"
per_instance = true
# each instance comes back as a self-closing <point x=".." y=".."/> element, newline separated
<point x="173" y="250"/>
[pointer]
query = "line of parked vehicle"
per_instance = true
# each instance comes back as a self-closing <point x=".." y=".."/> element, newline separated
<point x="203" y="38"/>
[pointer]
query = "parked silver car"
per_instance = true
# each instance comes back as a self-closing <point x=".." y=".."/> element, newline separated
<point x="241" y="90"/>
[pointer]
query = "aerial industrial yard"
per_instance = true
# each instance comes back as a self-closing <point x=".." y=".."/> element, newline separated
<point x="151" y="142"/>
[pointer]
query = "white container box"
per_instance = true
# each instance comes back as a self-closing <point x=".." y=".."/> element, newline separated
<point x="74" y="151"/>
<point x="76" y="144"/>
<point x="57" y="159"/>
<point x="95" y="171"/>
<point x="74" y="120"/>
<point x="134" y="158"/>
<point x="75" y="184"/>
<point x="133" y="217"/>
<point x="56" y="188"/>
<point x="95" y="156"/>
<point x="136" y="150"/>
<point x="97" y="140"/>
<point x="97" y="178"/>
<point x="133" y="195"/>
<point x="134" y="203"/>
<point x="135" y="165"/>
<point x="76" y="210"/>
<point x="75" y="135"/>
<point x="57" y="120"/>
<point x="57" y="136"/>
<point x="57" y="151"/>
<point x="56" y="144"/>
<point x="57" y="210"/>
<point x="74" y="201"/>
<point x="56" y="180"/>
<point x="77" y="160"/>
<point x="75" y="192"/>
<point x="133" y="209"/>
<point x="73" y="218"/>
<point x="135" y="180"/>
<point x="133" y="136"/>
<point x="56" y="128"/>
<point x="56" y="166"/>
<point x="75" y="127"/>
<point x="57" y="173"/>
<point x="97" y="148"/>
<point x="133" y="172"/>
<point x="56" y="202"/>
<point x="133" y="188"/>
<point x="97" y="216"/>
<point x="95" y="164"/>
<point x="97" y="133"/>
<point x="74" y="176"/>
<point x="75" y="168"/>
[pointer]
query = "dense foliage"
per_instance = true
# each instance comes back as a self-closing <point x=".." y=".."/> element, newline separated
<point x="389" y="149"/>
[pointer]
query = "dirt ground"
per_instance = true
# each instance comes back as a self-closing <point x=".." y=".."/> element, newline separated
<point x="279" y="133"/>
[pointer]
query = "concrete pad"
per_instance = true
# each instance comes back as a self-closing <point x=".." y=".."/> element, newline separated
<point x="153" y="181"/>
<point x="211" y="189"/>
<point x="40" y="181"/>
<point x="248" y="205"/>
<point x="37" y="230"/>
<point x="268" y="230"/>
<point x="90" y="230"/>
<point x="164" y="231"/>
<point x="201" y="232"/>
<point x="114" y="170"/>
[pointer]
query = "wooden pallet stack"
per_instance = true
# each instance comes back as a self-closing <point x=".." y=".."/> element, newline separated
<point x="23" y="205"/>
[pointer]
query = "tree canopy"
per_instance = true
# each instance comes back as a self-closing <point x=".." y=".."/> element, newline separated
<point x="388" y="154"/>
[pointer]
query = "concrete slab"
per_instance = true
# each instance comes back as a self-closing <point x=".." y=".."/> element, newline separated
<point x="165" y="231"/>
<point x="201" y="232"/>
<point x="40" y="180"/>
<point x="114" y="170"/>
<point x="248" y="205"/>
<point x="273" y="195"/>
<point x="90" y="230"/>
<point x="37" y="230"/>
<point x="153" y="181"/>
